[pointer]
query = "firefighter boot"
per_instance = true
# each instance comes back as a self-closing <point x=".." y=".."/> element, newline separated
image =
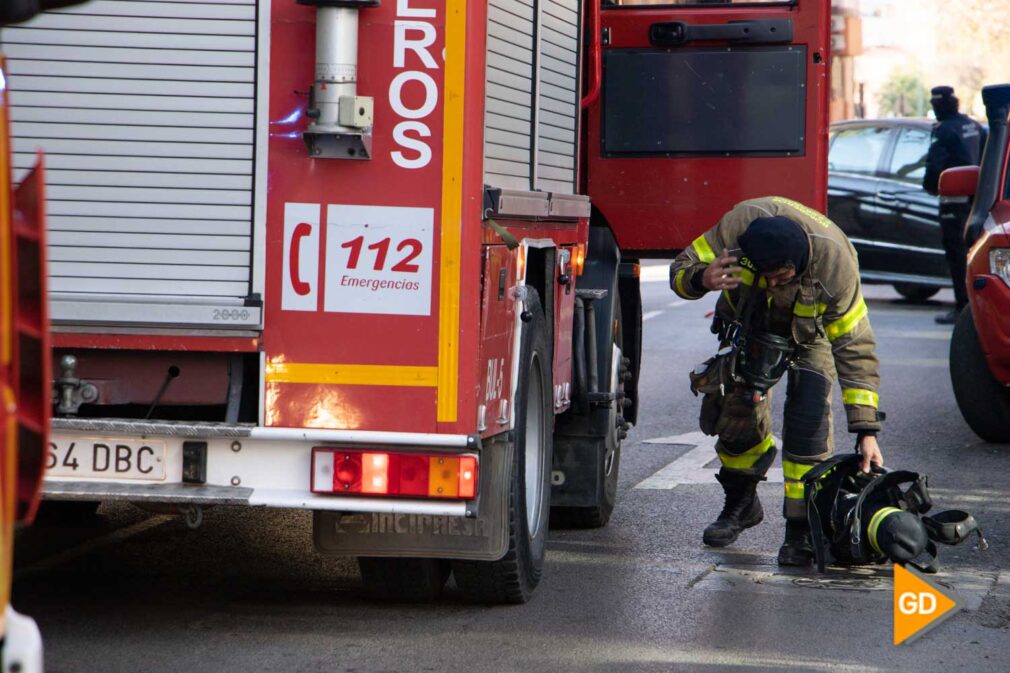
<point x="797" y="550"/>
<point x="742" y="509"/>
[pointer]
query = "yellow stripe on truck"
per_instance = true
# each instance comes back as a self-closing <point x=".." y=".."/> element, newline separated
<point x="452" y="211"/>
<point x="352" y="375"/>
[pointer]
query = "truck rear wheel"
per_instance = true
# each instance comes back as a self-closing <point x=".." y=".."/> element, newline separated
<point x="513" y="578"/>
<point x="983" y="402"/>
<point x="406" y="580"/>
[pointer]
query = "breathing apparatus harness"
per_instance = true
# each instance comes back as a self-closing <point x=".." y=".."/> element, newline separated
<point x="754" y="359"/>
<point x="857" y="518"/>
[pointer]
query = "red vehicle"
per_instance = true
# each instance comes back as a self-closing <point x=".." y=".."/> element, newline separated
<point x="980" y="345"/>
<point x="366" y="278"/>
<point x="24" y="363"/>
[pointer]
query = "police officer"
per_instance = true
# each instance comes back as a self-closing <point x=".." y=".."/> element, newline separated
<point x="957" y="140"/>
<point x="784" y="269"/>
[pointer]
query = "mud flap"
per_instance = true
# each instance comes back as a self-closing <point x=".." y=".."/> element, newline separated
<point x="483" y="537"/>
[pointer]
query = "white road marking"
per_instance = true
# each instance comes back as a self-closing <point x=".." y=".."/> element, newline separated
<point x="94" y="544"/>
<point x="649" y="315"/>
<point x="915" y="362"/>
<point x="675" y="304"/>
<point x="693" y="466"/>
<point x="940" y="335"/>
<point x="655" y="273"/>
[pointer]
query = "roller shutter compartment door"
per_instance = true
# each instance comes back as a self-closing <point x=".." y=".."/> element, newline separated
<point x="145" y="111"/>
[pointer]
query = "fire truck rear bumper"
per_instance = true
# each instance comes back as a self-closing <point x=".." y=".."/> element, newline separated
<point x="187" y="494"/>
<point x="239" y="465"/>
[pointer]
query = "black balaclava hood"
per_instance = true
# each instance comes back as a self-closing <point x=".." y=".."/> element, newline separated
<point x="944" y="102"/>
<point x="772" y="242"/>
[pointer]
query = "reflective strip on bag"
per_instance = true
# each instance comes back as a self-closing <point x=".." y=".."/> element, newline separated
<point x="704" y="250"/>
<point x="748" y="458"/>
<point x="795" y="471"/>
<point x="866" y="398"/>
<point x="794" y="490"/>
<point x="847" y="322"/>
<point x="875" y="522"/>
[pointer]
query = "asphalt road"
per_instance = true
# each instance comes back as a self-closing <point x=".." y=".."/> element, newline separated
<point x="138" y="592"/>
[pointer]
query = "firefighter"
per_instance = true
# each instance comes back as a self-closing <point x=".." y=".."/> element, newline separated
<point x="956" y="140"/>
<point x="784" y="270"/>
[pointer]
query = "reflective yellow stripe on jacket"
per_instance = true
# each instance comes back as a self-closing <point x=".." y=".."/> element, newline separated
<point x="866" y="398"/>
<point x="704" y="250"/>
<point x="847" y="322"/>
<point x="809" y="310"/>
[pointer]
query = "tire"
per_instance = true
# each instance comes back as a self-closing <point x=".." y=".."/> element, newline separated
<point x="916" y="294"/>
<point x="404" y="580"/>
<point x="983" y="402"/>
<point x="598" y="515"/>
<point x="513" y="578"/>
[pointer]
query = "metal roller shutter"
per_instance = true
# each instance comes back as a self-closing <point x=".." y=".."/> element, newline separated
<point x="146" y="113"/>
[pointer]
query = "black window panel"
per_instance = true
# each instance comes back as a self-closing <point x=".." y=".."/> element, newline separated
<point x="743" y="100"/>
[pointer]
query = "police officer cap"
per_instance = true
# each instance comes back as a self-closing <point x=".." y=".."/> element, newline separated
<point x="942" y="92"/>
<point x="901" y="536"/>
<point x="772" y="242"/>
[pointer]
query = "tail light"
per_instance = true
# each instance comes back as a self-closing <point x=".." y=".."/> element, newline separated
<point x="413" y="475"/>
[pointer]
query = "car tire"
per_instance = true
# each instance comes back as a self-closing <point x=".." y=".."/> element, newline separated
<point x="916" y="294"/>
<point x="513" y="578"/>
<point x="983" y="402"/>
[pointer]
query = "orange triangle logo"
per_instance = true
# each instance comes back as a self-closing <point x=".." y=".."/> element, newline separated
<point x="919" y="605"/>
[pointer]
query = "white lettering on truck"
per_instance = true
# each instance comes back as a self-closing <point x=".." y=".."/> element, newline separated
<point x="415" y="36"/>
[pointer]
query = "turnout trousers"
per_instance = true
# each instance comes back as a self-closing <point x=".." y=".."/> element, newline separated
<point x="744" y="428"/>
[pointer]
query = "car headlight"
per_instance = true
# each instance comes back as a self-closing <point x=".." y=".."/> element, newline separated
<point x="999" y="263"/>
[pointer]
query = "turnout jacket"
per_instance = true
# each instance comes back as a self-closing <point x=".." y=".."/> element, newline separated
<point x="824" y="302"/>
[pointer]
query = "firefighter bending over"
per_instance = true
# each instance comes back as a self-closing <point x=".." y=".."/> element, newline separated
<point x="790" y="300"/>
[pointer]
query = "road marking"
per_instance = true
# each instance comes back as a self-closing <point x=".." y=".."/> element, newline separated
<point x="89" y="546"/>
<point x="654" y="273"/>
<point x="649" y="315"/>
<point x="693" y="466"/>
<point x="675" y="304"/>
<point x="915" y="362"/>
<point x="940" y="335"/>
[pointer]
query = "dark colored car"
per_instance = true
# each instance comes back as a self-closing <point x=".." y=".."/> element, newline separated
<point x="875" y="194"/>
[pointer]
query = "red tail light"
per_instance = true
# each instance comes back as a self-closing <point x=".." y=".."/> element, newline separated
<point x="336" y="471"/>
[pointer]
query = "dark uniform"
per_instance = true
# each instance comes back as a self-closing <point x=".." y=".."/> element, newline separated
<point x="957" y="140"/>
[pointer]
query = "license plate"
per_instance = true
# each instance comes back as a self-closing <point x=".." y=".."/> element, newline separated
<point x="103" y="458"/>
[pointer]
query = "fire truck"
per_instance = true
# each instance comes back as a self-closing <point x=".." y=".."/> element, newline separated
<point x="24" y="361"/>
<point x="378" y="259"/>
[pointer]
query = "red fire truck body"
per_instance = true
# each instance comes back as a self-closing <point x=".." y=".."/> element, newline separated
<point x="340" y="255"/>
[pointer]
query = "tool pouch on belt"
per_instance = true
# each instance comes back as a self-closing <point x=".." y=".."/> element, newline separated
<point x="713" y="375"/>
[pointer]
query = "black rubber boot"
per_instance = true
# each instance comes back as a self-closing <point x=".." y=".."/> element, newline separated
<point x="797" y="550"/>
<point x="741" y="511"/>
